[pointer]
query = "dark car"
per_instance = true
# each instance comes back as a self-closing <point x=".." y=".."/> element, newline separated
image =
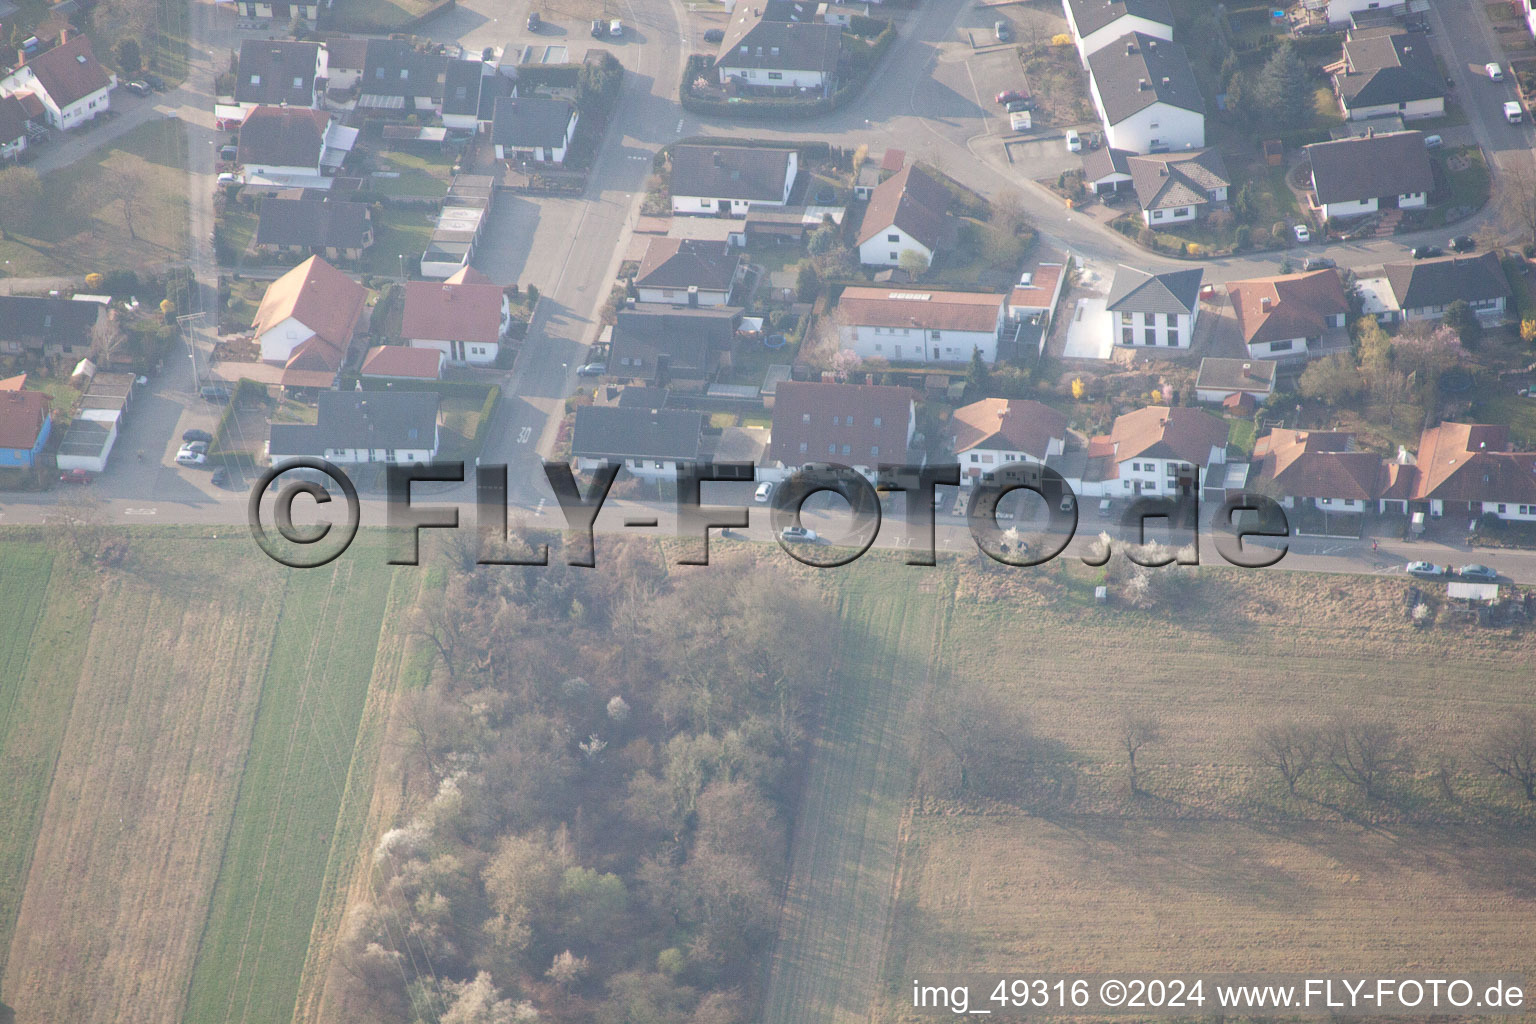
<point x="155" y="82"/>
<point x="1009" y="96"/>
<point x="1477" y="572"/>
<point x="214" y="392"/>
<point x="591" y="370"/>
<point x="1427" y="252"/>
<point x="196" y="435"/>
<point x="534" y="21"/>
<point x="714" y="35"/>
<point x="220" y="477"/>
<point x="599" y="30"/>
<point x="1318" y="263"/>
<point x="137" y="88"/>
<point x="1018" y="105"/>
<point x="1463" y="243"/>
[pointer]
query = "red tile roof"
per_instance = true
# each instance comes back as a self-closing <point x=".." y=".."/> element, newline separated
<point x="815" y="422"/>
<point x="403" y="361"/>
<point x="1291" y="306"/>
<point x="1318" y="464"/>
<point x="922" y="308"/>
<point x="1041" y="289"/>
<point x="1471" y="462"/>
<point x="22" y="415"/>
<point x="318" y="296"/>
<point x="1160" y="432"/>
<point x="65" y="76"/>
<point x="1024" y="425"/>
<point x="468" y="312"/>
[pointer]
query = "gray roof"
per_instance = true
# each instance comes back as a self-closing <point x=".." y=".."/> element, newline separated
<point x="1136" y="71"/>
<point x="461" y="87"/>
<point x="531" y="121"/>
<point x="1172" y="180"/>
<point x="25" y="318"/>
<point x="1372" y="167"/>
<point x="636" y="432"/>
<point x="690" y="339"/>
<point x="1100" y="163"/>
<point x="755" y="40"/>
<point x="1092" y="15"/>
<point x="1137" y="291"/>
<point x="282" y="137"/>
<point x="1388" y="69"/>
<point x="392" y="68"/>
<point x="1440" y="282"/>
<point x="681" y="262"/>
<point x="730" y="172"/>
<point x="313" y="222"/>
<point x="277" y="71"/>
<point x="1218" y="374"/>
<point x="362" y="419"/>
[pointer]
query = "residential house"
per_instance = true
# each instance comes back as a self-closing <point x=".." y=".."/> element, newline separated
<point x="1097" y="23"/>
<point x="920" y="326"/>
<point x="1147" y="95"/>
<point x="1470" y="469"/>
<point x="36" y="329"/>
<point x="1037" y="293"/>
<point x="25" y="426"/>
<point x="16" y="127"/>
<point x="345" y="58"/>
<point x="695" y="272"/>
<point x="363" y="427"/>
<point x="996" y="431"/>
<point x="1220" y="379"/>
<point x="1343" y="12"/>
<point x="1177" y="187"/>
<point x="1422" y="289"/>
<point x="863" y="426"/>
<point x="279" y="11"/>
<point x="463" y="83"/>
<point x="1320" y="468"/>
<point x="907" y="212"/>
<point x="649" y="442"/>
<point x="307" y="320"/>
<point x="1289" y="316"/>
<point x="1107" y="169"/>
<point x="70" y="82"/>
<point x="464" y="318"/>
<point x="765" y="48"/>
<point x="1154" y="451"/>
<point x="292" y="146"/>
<point x="402" y="362"/>
<point x="280" y="73"/>
<point x="1154" y="309"/>
<point x="726" y="180"/>
<point x="398" y="79"/>
<point x="1389" y="72"/>
<point x="1356" y="176"/>
<point x="533" y="128"/>
<point x="315" y="227"/>
<point x="672" y="346"/>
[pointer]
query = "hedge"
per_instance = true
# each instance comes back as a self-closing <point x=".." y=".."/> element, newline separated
<point x="460" y="388"/>
<point x="247" y="391"/>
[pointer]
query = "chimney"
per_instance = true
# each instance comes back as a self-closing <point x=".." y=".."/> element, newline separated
<point x="693" y="296"/>
<point x="1247" y="369"/>
<point x="1130" y="48"/>
<point x="1264" y="304"/>
<point x="63" y="36"/>
<point x="448" y="293"/>
<point x="1151" y="44"/>
<point x="1370" y="133"/>
<point x="1141" y="85"/>
<point x="1166" y="81"/>
<point x="21" y="58"/>
<point x="715" y="157"/>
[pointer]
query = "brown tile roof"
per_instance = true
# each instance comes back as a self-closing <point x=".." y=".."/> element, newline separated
<point x="912" y="201"/>
<point x="1370" y="167"/>
<point x="313" y="364"/>
<point x="925" y="309"/>
<point x="870" y="422"/>
<point x="1041" y="289"/>
<point x="469" y="312"/>
<point x="318" y="296"/>
<point x="403" y="361"/>
<point x="684" y="262"/>
<point x="67" y="77"/>
<point x="13" y="119"/>
<point x="22" y="415"/>
<point x="1172" y="180"/>
<point x="1318" y="464"/>
<point x="1471" y="462"/>
<point x="1398" y="480"/>
<point x="1297" y="305"/>
<point x="1024" y="425"/>
<point x="1160" y="432"/>
<point x="283" y="137"/>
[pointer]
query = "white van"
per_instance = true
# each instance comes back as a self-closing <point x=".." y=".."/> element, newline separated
<point x="1512" y="112"/>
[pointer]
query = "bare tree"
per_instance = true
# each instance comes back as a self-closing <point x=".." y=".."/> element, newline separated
<point x="83" y="517"/>
<point x="1289" y="748"/>
<point x="1509" y="749"/>
<point x="1138" y="730"/>
<point x="126" y="186"/>
<point x="1519" y="199"/>
<point x="1367" y="753"/>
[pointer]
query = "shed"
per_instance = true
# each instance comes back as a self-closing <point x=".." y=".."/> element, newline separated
<point x="1486" y="593"/>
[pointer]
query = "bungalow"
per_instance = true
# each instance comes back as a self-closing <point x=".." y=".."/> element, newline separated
<point x="533" y="128"/>
<point x="670" y="345"/>
<point x="996" y="431"/>
<point x="726" y="180"/>
<point x="401" y="80"/>
<point x="920" y="326"/>
<point x="1220" y="379"/>
<point x="1155" y="451"/>
<point x="402" y="362"/>
<point x="1147" y="97"/>
<point x="292" y="146"/>
<point x="70" y="82"/>
<point x="1318" y="467"/>
<point x="464" y="318"/>
<point x="307" y="320"/>
<point x="25" y="427"/>
<point x="1097" y="23"/>
<point x="315" y="227"/>
<point x="1288" y="317"/>
<point x="697" y="272"/>
<point x="908" y="212"/>
<point x="280" y="73"/>
<point x="1422" y="290"/>
<point x="1356" y="176"/>
<point x="1469" y="469"/>
<point x="36" y="329"/>
<point x="863" y="426"/>
<point x="1154" y="309"/>
<point x="361" y="427"/>
<point x="649" y="442"/>
<point x="1387" y="71"/>
<point x="765" y="48"/>
<point x="1179" y="186"/>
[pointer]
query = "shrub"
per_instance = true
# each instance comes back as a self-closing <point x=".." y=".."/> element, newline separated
<point x="1061" y="39"/>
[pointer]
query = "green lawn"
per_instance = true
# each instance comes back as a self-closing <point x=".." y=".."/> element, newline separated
<point x="419" y="175"/>
<point x="285" y="820"/>
<point x="379" y="15"/>
<point x="396" y="232"/>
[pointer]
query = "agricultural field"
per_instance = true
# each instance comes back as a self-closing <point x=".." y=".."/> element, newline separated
<point x="185" y="729"/>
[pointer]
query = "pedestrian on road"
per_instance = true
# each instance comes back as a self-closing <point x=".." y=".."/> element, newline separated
<point x="1373" y="545"/>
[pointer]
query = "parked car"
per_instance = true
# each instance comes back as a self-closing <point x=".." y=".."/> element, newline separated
<point x="1002" y="31"/>
<point x="1074" y="141"/>
<point x="1426" y="252"/>
<point x="1106" y="507"/>
<point x="1426" y="570"/>
<point x="1463" y="243"/>
<point x="214" y="393"/>
<point x="137" y="88"/>
<point x="1318" y="263"/>
<point x="797" y="535"/>
<point x="1302" y="234"/>
<point x="1008" y="96"/>
<point x="1014" y="106"/>
<point x="1495" y="73"/>
<point x="764" y="492"/>
<point x="598" y="29"/>
<point x="615" y="28"/>
<point x="534" y="21"/>
<point x="714" y="35"/>
<point x="1513" y="112"/>
<point x="188" y="457"/>
<point x="227" y="178"/>
<point x="194" y="434"/>
<point x="1481" y="573"/>
<point x="1068" y="503"/>
<point x="591" y="369"/>
<point x="220" y="476"/>
<point x="1433" y="142"/>
<point x="155" y="82"/>
<point x="74" y="476"/>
